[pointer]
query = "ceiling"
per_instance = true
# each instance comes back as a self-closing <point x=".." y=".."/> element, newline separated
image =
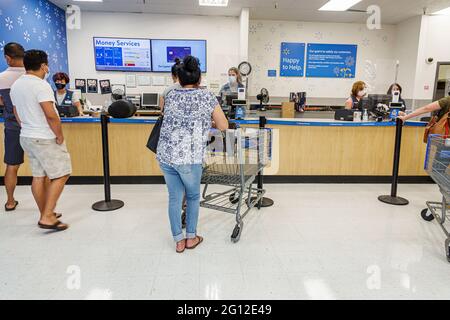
<point x="392" y="11"/>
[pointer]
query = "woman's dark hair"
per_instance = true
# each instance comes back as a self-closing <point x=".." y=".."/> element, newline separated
<point x="175" y="67"/>
<point x="189" y="71"/>
<point x="33" y="59"/>
<point x="60" y="76"/>
<point x="395" y="85"/>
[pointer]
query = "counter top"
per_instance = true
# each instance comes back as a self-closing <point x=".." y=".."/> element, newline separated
<point x="250" y="121"/>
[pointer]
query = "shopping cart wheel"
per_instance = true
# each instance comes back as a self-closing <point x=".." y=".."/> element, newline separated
<point x="234" y="197"/>
<point x="236" y="235"/>
<point x="427" y="215"/>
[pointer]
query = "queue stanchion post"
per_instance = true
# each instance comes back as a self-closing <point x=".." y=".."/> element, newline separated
<point x="108" y="204"/>
<point x="393" y="198"/>
<point x="264" y="202"/>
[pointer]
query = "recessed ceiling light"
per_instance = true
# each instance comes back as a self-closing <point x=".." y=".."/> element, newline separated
<point x="445" y="12"/>
<point x="339" y="5"/>
<point x="213" y="3"/>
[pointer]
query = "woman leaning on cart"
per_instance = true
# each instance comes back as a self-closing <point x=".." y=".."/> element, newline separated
<point x="441" y="107"/>
<point x="189" y="114"/>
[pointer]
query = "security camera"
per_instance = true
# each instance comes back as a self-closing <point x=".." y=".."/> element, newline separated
<point x="429" y="60"/>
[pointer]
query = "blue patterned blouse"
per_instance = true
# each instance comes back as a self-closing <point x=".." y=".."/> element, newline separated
<point x="186" y="125"/>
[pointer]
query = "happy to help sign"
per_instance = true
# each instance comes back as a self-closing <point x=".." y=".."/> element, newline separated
<point x="292" y="59"/>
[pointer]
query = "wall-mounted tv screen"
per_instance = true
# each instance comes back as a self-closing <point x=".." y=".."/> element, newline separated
<point x="121" y="54"/>
<point x="165" y="52"/>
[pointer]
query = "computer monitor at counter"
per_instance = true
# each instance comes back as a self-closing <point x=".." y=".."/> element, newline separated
<point x="150" y="100"/>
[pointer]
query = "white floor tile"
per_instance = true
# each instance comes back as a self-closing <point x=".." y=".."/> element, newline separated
<point x="316" y="242"/>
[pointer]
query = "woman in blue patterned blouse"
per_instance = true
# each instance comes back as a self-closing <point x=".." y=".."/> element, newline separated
<point x="189" y="114"/>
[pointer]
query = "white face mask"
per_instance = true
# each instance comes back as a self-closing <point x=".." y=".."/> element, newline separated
<point x="47" y="74"/>
<point x="395" y="92"/>
<point x="232" y="79"/>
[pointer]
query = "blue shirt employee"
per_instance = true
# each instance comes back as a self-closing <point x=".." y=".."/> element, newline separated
<point x="63" y="96"/>
<point x="234" y="82"/>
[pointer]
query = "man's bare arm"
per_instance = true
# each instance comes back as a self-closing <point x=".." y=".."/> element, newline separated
<point x="53" y="120"/>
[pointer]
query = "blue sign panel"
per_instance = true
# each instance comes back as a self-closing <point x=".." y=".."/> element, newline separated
<point x="271" y="73"/>
<point x="331" y="60"/>
<point x="35" y="24"/>
<point x="292" y="61"/>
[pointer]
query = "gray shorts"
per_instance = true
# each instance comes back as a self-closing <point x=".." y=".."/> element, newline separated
<point x="47" y="158"/>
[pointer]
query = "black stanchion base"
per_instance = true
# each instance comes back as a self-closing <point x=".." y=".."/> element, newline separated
<point x="108" y="205"/>
<point x="265" y="203"/>
<point x="396" y="201"/>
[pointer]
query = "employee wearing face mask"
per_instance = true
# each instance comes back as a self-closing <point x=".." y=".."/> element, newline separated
<point x="234" y="82"/>
<point x="394" y="90"/>
<point x="359" y="91"/>
<point x="65" y="97"/>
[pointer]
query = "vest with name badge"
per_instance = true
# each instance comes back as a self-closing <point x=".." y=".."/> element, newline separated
<point x="67" y="101"/>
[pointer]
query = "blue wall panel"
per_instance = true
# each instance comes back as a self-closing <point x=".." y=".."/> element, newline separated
<point x="36" y="24"/>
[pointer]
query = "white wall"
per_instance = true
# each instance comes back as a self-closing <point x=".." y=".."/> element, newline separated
<point x="375" y="65"/>
<point x="433" y="43"/>
<point x="221" y="33"/>
<point x="406" y="52"/>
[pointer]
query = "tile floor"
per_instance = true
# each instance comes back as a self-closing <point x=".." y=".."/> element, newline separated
<point x="317" y="242"/>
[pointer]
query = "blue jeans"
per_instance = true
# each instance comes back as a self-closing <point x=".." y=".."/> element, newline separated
<point x="181" y="180"/>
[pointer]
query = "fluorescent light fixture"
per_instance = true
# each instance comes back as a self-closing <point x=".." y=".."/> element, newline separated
<point x="339" y="5"/>
<point x="444" y="12"/>
<point x="213" y="3"/>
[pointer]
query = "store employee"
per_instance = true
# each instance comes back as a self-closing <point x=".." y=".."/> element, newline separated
<point x="234" y="82"/>
<point x="359" y="91"/>
<point x="63" y="96"/>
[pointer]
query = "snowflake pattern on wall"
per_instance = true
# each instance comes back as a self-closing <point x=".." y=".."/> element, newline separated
<point x="26" y="36"/>
<point x="253" y="29"/>
<point x="318" y="35"/>
<point x="268" y="46"/>
<point x="9" y="23"/>
<point x="32" y="23"/>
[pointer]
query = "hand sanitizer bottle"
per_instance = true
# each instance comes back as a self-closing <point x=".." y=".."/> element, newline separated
<point x="365" y="116"/>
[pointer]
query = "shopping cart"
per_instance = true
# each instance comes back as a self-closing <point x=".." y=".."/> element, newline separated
<point x="233" y="160"/>
<point x="437" y="163"/>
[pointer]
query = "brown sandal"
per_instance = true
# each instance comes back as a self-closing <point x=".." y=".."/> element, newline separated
<point x="58" y="226"/>
<point x="200" y="240"/>
<point x="181" y="251"/>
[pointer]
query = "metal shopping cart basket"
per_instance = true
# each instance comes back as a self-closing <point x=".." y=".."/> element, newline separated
<point x="437" y="163"/>
<point x="233" y="160"/>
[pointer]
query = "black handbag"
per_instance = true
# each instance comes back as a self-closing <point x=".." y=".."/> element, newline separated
<point x="153" y="140"/>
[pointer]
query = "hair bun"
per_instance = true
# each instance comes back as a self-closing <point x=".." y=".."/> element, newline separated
<point x="177" y="61"/>
<point x="191" y="64"/>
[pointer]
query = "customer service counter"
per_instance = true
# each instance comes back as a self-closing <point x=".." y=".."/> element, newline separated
<point x="302" y="147"/>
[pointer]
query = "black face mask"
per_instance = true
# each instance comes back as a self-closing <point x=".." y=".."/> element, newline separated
<point x="60" y="86"/>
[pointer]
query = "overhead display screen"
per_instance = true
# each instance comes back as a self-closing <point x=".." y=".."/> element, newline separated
<point x="165" y="52"/>
<point x="122" y="54"/>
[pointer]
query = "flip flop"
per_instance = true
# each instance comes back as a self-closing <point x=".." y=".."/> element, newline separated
<point x="181" y="250"/>
<point x="200" y="240"/>
<point x="11" y="209"/>
<point x="58" y="226"/>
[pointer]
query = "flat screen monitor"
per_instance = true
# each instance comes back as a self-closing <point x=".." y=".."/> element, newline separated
<point x="122" y="54"/>
<point x="165" y="52"/>
<point x="375" y="99"/>
<point x="150" y="100"/>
